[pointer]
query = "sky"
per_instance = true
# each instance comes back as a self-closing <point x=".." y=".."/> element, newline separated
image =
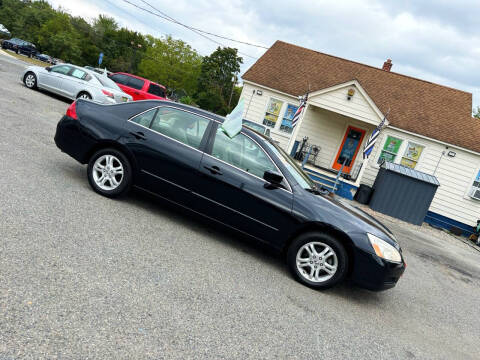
<point x="434" y="40"/>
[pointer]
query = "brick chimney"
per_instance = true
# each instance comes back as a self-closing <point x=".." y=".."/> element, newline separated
<point x="387" y="65"/>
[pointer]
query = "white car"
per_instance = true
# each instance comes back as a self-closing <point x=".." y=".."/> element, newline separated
<point x="74" y="82"/>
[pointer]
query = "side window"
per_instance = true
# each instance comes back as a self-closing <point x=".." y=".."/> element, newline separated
<point x="144" y="119"/>
<point x="61" y="69"/>
<point x="242" y="153"/>
<point x="79" y="74"/>
<point x="156" y="90"/>
<point x="135" y="83"/>
<point x="180" y="125"/>
<point x="120" y="78"/>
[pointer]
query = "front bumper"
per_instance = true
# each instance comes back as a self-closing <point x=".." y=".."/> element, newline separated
<point x="374" y="273"/>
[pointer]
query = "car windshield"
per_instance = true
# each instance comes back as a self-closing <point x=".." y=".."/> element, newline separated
<point x="292" y="167"/>
<point x="105" y="81"/>
<point x="256" y="127"/>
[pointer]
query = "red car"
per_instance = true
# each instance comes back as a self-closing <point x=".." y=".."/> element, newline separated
<point x="139" y="88"/>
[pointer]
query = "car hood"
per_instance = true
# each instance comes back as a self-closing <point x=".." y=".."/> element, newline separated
<point x="349" y="218"/>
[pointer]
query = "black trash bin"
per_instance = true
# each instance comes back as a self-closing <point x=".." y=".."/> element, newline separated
<point x="363" y="194"/>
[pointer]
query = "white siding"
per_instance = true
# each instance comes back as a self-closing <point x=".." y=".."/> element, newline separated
<point x="256" y="105"/>
<point x="455" y="175"/>
<point x="336" y="100"/>
<point x="327" y="130"/>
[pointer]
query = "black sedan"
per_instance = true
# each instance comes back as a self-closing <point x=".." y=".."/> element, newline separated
<point x="247" y="183"/>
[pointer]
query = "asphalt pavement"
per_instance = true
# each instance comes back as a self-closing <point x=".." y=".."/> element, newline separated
<point x="86" y="277"/>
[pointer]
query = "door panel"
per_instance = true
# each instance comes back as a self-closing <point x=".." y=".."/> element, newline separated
<point x="240" y="199"/>
<point x="349" y="149"/>
<point x="168" y="164"/>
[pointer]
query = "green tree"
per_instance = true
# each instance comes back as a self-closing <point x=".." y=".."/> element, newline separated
<point x="171" y="62"/>
<point x="217" y="77"/>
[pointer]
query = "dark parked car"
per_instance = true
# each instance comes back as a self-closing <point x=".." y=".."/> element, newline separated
<point x="247" y="183"/>
<point x="46" y="58"/>
<point x="20" y="46"/>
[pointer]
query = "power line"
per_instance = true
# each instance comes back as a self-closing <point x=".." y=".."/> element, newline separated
<point x="168" y="18"/>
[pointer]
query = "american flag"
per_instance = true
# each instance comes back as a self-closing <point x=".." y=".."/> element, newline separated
<point x="373" y="138"/>
<point x="296" y="116"/>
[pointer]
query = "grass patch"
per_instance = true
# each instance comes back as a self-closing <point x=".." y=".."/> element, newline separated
<point x="27" y="59"/>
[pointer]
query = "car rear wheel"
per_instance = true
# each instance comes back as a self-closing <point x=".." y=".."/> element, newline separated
<point x="317" y="260"/>
<point x="30" y="80"/>
<point x="84" y="95"/>
<point x="109" y="173"/>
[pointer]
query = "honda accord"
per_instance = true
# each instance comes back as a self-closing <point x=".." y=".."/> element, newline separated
<point x="248" y="183"/>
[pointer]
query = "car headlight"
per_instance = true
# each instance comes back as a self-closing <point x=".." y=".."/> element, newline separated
<point x="384" y="249"/>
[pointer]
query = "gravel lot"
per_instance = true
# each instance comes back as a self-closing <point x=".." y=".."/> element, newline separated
<point x="82" y="276"/>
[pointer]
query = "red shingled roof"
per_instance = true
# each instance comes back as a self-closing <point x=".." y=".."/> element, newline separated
<point x="419" y="106"/>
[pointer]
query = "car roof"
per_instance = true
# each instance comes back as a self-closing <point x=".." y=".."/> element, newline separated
<point x="139" y="77"/>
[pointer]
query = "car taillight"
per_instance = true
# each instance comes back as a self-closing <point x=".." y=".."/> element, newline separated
<point x="108" y="93"/>
<point x="71" y="111"/>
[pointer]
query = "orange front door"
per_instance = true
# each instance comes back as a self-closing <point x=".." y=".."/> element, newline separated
<point x="349" y="149"/>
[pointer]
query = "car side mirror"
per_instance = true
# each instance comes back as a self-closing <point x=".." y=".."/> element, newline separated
<point x="267" y="132"/>
<point x="48" y="68"/>
<point x="273" y="178"/>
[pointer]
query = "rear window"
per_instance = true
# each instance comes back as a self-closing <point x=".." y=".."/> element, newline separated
<point x="106" y="82"/>
<point x="120" y="78"/>
<point x="156" y="90"/>
<point x="135" y="83"/>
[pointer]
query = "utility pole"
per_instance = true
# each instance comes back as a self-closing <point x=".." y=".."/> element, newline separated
<point x="134" y="54"/>
<point x="233" y="87"/>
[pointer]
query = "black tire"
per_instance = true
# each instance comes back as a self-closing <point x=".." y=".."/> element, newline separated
<point x="27" y="83"/>
<point x="84" y="93"/>
<point x="330" y="241"/>
<point x="126" y="180"/>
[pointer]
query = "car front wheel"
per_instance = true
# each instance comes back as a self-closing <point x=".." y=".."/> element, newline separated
<point x="317" y="260"/>
<point x="30" y="80"/>
<point x="109" y="173"/>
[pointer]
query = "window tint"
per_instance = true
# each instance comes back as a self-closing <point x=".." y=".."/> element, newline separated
<point x="120" y="78"/>
<point x="135" y="83"/>
<point x="61" y="69"/>
<point x="180" y="125"/>
<point x="242" y="153"/>
<point x="156" y="90"/>
<point x="79" y="74"/>
<point x="145" y="119"/>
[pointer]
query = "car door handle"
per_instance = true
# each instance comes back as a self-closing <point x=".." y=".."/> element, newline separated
<point x="214" y="170"/>
<point x="138" y="135"/>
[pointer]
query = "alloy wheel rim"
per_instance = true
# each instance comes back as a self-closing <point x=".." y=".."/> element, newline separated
<point x="107" y="172"/>
<point x="316" y="262"/>
<point x="84" y="96"/>
<point x="30" y="80"/>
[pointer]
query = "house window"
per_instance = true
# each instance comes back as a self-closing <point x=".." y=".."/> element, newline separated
<point x="272" y="113"/>
<point x="390" y="149"/>
<point x="475" y="189"/>
<point x="286" y="125"/>
<point x="412" y="154"/>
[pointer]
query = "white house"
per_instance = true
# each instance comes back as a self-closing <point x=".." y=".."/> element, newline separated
<point x="429" y="127"/>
